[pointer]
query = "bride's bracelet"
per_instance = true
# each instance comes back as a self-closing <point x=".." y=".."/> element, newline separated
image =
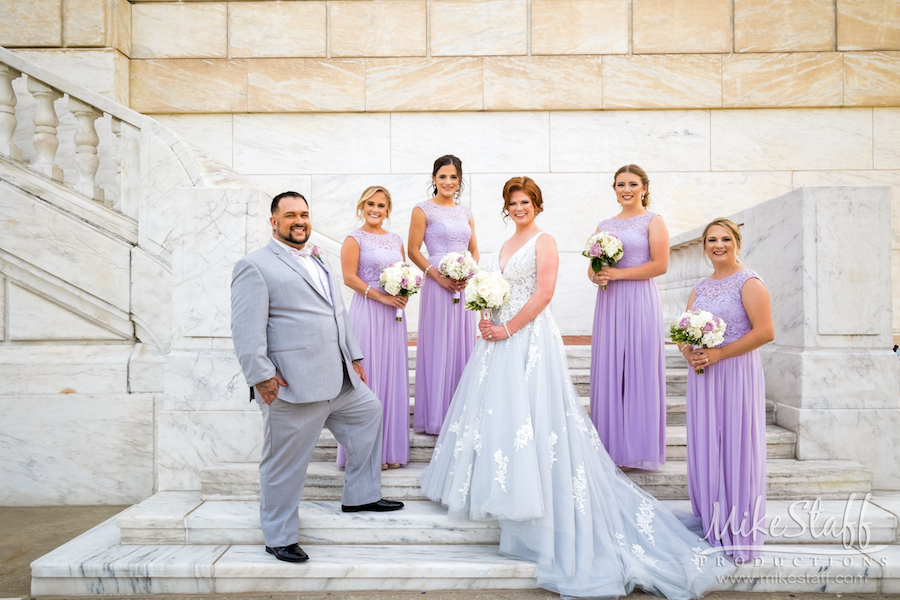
<point x="508" y="334"/>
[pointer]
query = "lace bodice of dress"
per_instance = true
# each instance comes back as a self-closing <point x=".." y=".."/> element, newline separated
<point x="723" y="299"/>
<point x="375" y="253"/>
<point x="521" y="274"/>
<point x="446" y="229"/>
<point x="635" y="236"/>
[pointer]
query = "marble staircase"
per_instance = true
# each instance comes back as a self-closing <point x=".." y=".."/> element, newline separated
<point x="209" y="540"/>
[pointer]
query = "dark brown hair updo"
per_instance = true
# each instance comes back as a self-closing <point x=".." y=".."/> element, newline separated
<point x="636" y="170"/>
<point x="529" y="187"/>
<point x="447" y="159"/>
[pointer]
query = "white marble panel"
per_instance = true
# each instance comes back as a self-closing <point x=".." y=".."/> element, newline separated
<point x="215" y="226"/>
<point x="889" y="501"/>
<point x="279" y="144"/>
<point x="146" y="370"/>
<point x="486" y="142"/>
<point x="96" y="564"/>
<point x="839" y="378"/>
<point x="151" y="298"/>
<point x="42" y="369"/>
<point x="688" y="200"/>
<point x="887" y="138"/>
<point x="191" y="440"/>
<point x="803" y="139"/>
<point x="670" y="140"/>
<point x="206" y="380"/>
<point x="853" y="300"/>
<point x="64" y="246"/>
<point x="2" y="308"/>
<point x="161" y="175"/>
<point x="76" y="449"/>
<point x="211" y="133"/>
<point x="774" y="246"/>
<point x="272" y="185"/>
<point x="866" y="436"/>
<point x="33" y="317"/>
<point x="891" y="178"/>
<point x="575" y="297"/>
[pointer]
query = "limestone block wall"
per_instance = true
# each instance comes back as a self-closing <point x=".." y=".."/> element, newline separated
<point x="726" y="102"/>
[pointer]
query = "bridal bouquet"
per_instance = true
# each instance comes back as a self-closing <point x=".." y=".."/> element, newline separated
<point x="698" y="328"/>
<point x="604" y="249"/>
<point x="398" y="279"/>
<point x="486" y="291"/>
<point x="458" y="266"/>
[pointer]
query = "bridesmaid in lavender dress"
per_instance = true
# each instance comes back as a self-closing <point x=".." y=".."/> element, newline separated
<point x="446" y="330"/>
<point x="628" y="373"/>
<point x="366" y="251"/>
<point x="726" y="405"/>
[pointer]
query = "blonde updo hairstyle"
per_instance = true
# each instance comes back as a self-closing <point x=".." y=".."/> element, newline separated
<point x="529" y="187"/>
<point x="642" y="174"/>
<point x="368" y="193"/>
<point x="732" y="229"/>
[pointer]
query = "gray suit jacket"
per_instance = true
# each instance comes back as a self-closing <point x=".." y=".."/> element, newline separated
<point x="281" y="323"/>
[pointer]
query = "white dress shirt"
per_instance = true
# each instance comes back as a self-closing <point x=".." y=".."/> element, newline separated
<point x="314" y="269"/>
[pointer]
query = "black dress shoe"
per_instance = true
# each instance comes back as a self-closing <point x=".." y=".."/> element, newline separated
<point x="380" y="506"/>
<point x="291" y="553"/>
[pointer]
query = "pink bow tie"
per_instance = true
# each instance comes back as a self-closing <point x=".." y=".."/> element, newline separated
<point x="307" y="252"/>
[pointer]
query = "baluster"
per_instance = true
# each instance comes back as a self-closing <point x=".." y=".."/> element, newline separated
<point x="128" y="167"/>
<point x="45" y="122"/>
<point x="86" y="142"/>
<point x="116" y="127"/>
<point x="8" y="112"/>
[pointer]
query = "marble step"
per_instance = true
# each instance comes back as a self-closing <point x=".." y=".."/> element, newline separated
<point x="788" y="479"/>
<point x="676" y="407"/>
<point x="183" y="518"/>
<point x="676" y="381"/>
<point x="779" y="444"/>
<point x="579" y="357"/>
<point x="95" y="563"/>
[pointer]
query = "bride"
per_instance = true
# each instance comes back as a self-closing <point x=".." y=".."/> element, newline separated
<point x="517" y="446"/>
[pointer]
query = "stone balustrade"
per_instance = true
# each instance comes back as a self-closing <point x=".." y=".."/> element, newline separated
<point x="87" y="107"/>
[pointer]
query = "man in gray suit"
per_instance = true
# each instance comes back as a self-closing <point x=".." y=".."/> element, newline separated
<point x="293" y="340"/>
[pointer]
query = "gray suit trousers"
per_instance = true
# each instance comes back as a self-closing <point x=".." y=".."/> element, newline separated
<point x="291" y="433"/>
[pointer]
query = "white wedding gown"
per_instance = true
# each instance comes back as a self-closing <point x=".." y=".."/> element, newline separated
<point x="517" y="446"/>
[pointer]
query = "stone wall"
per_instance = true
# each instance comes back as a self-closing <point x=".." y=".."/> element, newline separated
<point x="726" y="102"/>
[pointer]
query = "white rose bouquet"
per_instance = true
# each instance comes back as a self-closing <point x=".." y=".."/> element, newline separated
<point x="698" y="328"/>
<point x="604" y="249"/>
<point x="486" y="291"/>
<point x="399" y="279"/>
<point x="458" y="266"/>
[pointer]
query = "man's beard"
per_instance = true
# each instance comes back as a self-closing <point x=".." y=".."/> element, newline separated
<point x="290" y="237"/>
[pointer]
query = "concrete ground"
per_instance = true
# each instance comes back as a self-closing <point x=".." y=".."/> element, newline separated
<point x="27" y="533"/>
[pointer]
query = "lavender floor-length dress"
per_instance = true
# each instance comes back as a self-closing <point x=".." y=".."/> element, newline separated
<point x="446" y="330"/>
<point x="726" y="429"/>
<point x="628" y="371"/>
<point x="384" y="345"/>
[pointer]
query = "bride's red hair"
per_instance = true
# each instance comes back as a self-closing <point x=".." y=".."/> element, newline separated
<point x="526" y="185"/>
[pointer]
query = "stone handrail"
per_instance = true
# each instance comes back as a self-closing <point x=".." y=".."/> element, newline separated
<point x="131" y="130"/>
<point x="686" y="267"/>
